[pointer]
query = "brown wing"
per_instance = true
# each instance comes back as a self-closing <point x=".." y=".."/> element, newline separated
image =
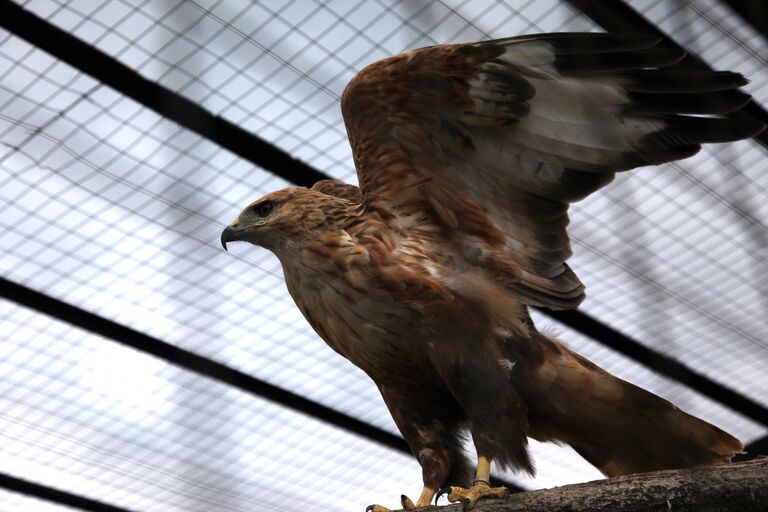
<point x="488" y="143"/>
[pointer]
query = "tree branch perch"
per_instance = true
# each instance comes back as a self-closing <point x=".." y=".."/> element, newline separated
<point x="738" y="487"/>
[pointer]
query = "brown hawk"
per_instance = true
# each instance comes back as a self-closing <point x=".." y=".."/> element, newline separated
<point x="468" y="156"/>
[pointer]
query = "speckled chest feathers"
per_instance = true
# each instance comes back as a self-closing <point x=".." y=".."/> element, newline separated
<point x="366" y="289"/>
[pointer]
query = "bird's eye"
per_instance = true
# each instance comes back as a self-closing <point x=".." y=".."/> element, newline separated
<point x="265" y="208"/>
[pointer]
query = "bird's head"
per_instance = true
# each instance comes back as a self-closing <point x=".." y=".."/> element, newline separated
<point x="288" y="215"/>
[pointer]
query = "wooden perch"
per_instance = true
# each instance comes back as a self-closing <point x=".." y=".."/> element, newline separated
<point x="738" y="487"/>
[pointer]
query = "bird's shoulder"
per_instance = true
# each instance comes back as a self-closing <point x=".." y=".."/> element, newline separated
<point x="376" y="256"/>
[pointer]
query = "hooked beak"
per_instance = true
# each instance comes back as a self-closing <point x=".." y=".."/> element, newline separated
<point x="229" y="235"/>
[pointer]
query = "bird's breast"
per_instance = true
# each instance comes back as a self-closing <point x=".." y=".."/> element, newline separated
<point x="359" y="314"/>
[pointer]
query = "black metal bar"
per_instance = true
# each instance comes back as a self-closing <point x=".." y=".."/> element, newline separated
<point x="55" y="495"/>
<point x="120" y="77"/>
<point x="661" y="363"/>
<point x="103" y="67"/>
<point x="617" y="16"/>
<point x="754" y="12"/>
<point x="193" y="362"/>
<point x="756" y="448"/>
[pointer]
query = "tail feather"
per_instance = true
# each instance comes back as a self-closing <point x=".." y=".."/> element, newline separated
<point x="617" y="426"/>
<point x="657" y="435"/>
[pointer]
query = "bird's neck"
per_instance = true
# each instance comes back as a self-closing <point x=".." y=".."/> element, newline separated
<point x="331" y="230"/>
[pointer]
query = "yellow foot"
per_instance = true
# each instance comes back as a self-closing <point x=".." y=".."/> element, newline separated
<point x="405" y="501"/>
<point x="470" y="496"/>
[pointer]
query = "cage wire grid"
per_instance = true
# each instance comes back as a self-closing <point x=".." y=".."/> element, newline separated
<point x="109" y="206"/>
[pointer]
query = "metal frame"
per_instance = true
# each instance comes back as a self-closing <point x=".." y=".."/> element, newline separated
<point x="162" y="100"/>
<point x="754" y="13"/>
<point x="19" y="485"/>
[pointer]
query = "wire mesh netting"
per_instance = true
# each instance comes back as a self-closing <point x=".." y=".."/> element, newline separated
<point x="113" y="208"/>
<point x="106" y="422"/>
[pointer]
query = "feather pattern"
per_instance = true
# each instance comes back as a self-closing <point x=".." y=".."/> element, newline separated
<point x="496" y="138"/>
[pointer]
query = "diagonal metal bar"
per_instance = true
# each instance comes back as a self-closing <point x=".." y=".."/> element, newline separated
<point x="57" y="496"/>
<point x="757" y="448"/>
<point x="190" y="361"/>
<point x="162" y="100"/>
<point x="92" y="61"/>
<point x="617" y="16"/>
<point x="754" y="13"/>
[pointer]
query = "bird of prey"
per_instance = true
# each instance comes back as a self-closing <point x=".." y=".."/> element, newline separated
<point x="468" y="156"/>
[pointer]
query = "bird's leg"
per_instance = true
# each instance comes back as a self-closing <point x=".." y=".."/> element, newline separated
<point x="498" y="416"/>
<point x="481" y="487"/>
<point x="434" y="443"/>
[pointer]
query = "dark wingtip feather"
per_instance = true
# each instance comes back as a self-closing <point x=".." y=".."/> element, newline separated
<point x="655" y="57"/>
<point x="591" y="43"/>
<point x="673" y="81"/>
<point x="586" y="42"/>
<point x="689" y="130"/>
<point x="759" y="126"/>
<point x="658" y="157"/>
<point x="718" y="102"/>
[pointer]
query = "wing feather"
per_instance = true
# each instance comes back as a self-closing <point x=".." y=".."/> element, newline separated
<point x="491" y="141"/>
<point x="338" y="189"/>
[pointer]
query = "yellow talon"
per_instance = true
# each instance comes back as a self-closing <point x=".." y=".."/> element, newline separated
<point x="424" y="499"/>
<point x="470" y="496"/>
<point x="376" y="508"/>
<point x="407" y="503"/>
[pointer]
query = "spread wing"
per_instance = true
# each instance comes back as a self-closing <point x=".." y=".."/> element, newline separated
<point x="486" y="144"/>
